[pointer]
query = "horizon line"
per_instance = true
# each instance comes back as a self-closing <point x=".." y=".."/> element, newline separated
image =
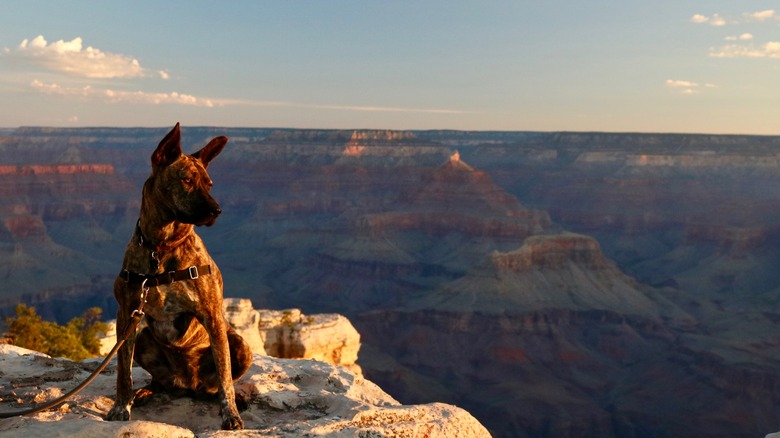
<point x="534" y="131"/>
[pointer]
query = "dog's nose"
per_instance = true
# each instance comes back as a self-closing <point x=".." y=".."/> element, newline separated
<point x="215" y="211"/>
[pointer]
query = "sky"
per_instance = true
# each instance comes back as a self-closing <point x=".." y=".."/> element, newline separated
<point x="689" y="66"/>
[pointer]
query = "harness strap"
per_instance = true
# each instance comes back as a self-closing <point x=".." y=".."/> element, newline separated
<point x="190" y="273"/>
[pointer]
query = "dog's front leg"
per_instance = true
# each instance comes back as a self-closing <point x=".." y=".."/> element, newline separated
<point x="124" y="374"/>
<point x="217" y="328"/>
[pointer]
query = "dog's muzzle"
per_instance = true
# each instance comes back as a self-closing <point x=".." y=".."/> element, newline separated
<point x="214" y="212"/>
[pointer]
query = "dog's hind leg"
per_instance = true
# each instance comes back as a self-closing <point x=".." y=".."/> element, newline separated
<point x="241" y="355"/>
<point x="151" y="356"/>
<point x="240" y="360"/>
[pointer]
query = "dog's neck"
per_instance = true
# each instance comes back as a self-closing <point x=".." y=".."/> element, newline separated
<point x="159" y="231"/>
<point x="162" y="237"/>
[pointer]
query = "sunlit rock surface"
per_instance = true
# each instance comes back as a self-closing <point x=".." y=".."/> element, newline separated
<point x="286" y="398"/>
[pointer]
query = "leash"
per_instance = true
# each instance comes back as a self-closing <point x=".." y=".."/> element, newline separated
<point x="146" y="280"/>
<point x="135" y="319"/>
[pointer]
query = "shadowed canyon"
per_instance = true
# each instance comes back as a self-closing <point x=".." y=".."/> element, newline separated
<point x="552" y="284"/>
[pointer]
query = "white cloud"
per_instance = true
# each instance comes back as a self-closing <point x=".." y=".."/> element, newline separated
<point x="767" y="50"/>
<point x="743" y="37"/>
<point x="714" y="20"/>
<point x="380" y="109"/>
<point x="687" y="87"/>
<point x="768" y="14"/>
<point x="717" y="20"/>
<point x="747" y="17"/>
<point x="140" y="97"/>
<point x="119" y="96"/>
<point x="73" y="58"/>
<point x="679" y="84"/>
<point x="315" y="106"/>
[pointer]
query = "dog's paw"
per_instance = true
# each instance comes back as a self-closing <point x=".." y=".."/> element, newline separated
<point x="118" y="413"/>
<point x="143" y="396"/>
<point x="232" y="423"/>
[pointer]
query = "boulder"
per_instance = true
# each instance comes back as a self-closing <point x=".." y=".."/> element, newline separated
<point x="244" y="319"/>
<point x="326" y="337"/>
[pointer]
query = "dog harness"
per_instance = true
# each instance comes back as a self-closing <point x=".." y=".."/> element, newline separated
<point x="190" y="273"/>
<point x="150" y="280"/>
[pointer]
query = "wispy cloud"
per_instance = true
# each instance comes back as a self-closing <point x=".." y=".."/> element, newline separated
<point x="674" y="83"/>
<point x="73" y="58"/>
<point x="743" y="46"/>
<point x="743" y="37"/>
<point x="140" y="97"/>
<point x="713" y="20"/>
<point x="746" y="17"/>
<point x="768" y="14"/>
<point x="767" y="50"/>
<point x="119" y="96"/>
<point x="687" y="87"/>
<point x="334" y="107"/>
<point x="377" y="109"/>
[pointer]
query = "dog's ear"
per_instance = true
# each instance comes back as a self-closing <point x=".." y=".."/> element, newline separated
<point x="168" y="150"/>
<point x="211" y="150"/>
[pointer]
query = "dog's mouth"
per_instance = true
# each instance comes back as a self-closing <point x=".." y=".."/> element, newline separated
<point x="199" y="221"/>
<point x="204" y="216"/>
<point x="209" y="221"/>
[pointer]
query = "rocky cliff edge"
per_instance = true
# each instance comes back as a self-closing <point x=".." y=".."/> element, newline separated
<point x="285" y="398"/>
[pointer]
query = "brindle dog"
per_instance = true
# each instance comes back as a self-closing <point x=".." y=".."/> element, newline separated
<point x="187" y="346"/>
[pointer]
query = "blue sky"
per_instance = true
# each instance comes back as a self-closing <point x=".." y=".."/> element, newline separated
<point x="598" y="65"/>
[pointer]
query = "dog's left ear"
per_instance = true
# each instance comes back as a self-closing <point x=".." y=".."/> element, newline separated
<point x="211" y="150"/>
<point x="168" y="150"/>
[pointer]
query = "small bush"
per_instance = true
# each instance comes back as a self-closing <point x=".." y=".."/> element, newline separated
<point x="76" y="340"/>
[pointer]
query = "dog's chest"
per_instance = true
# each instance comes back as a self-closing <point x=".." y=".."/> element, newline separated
<point x="164" y="303"/>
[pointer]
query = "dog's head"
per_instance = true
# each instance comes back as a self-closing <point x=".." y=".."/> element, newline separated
<point x="182" y="181"/>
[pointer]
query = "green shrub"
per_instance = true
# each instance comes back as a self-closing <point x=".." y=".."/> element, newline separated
<point x="76" y="340"/>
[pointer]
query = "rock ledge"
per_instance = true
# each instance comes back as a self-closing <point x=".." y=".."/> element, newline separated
<point x="286" y="398"/>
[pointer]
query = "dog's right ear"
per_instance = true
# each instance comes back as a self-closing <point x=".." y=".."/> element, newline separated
<point x="168" y="150"/>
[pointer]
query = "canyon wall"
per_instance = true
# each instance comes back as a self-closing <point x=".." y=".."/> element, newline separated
<point x="595" y="279"/>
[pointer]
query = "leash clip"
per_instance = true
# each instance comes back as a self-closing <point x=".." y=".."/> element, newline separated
<point x="154" y="263"/>
<point x="144" y="291"/>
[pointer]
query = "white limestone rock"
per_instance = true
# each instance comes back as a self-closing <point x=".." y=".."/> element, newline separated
<point x="326" y="337"/>
<point x="286" y="398"/>
<point x="244" y="319"/>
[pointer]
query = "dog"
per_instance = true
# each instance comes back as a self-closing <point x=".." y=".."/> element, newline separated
<point x="186" y="344"/>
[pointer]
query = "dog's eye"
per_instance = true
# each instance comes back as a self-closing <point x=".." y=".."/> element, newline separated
<point x="187" y="180"/>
